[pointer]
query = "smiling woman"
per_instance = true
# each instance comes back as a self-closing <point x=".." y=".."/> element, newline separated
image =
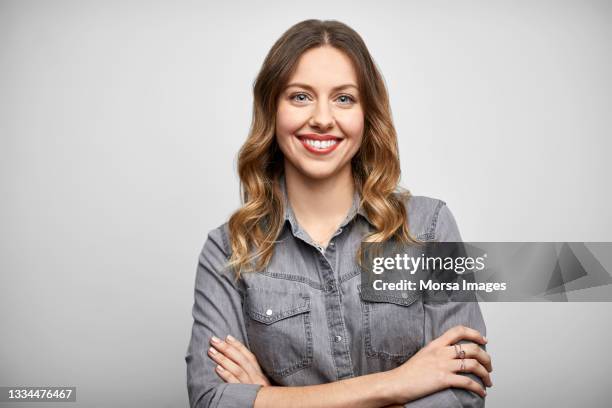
<point x="280" y="281"/>
<point x="313" y="100"/>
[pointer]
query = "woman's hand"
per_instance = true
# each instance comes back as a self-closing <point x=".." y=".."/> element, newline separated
<point x="435" y="367"/>
<point x="236" y="363"/>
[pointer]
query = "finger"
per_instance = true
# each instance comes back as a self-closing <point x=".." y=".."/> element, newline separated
<point x="457" y="333"/>
<point x="226" y="375"/>
<point x="245" y="351"/>
<point x="471" y="365"/>
<point x="228" y="365"/>
<point x="475" y="351"/>
<point x="472" y="350"/>
<point x="263" y="380"/>
<point x="233" y="354"/>
<point x="462" y="381"/>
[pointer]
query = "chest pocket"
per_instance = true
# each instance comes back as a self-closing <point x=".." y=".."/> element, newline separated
<point x="393" y="325"/>
<point x="279" y="330"/>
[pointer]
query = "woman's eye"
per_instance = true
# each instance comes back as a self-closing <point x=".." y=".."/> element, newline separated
<point x="302" y="97"/>
<point x="347" y="98"/>
<point x="305" y="98"/>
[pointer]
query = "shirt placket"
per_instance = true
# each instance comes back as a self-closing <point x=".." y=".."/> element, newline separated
<point x="339" y="344"/>
<point x="333" y="306"/>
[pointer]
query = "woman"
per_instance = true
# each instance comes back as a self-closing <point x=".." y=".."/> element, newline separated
<point x="279" y="318"/>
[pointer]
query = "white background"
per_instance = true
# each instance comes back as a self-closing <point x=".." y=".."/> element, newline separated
<point x="119" y="128"/>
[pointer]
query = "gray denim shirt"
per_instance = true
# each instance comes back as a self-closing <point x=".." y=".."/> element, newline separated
<point x="304" y="316"/>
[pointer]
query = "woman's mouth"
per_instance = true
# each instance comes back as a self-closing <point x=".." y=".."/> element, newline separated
<point x="319" y="146"/>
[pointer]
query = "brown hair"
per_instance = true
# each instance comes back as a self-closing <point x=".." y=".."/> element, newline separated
<point x="255" y="226"/>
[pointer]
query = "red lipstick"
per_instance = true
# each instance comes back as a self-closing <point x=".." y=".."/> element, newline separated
<point x="319" y="144"/>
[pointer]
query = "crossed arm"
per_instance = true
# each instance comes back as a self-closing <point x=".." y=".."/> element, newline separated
<point x="434" y="368"/>
<point x="433" y="377"/>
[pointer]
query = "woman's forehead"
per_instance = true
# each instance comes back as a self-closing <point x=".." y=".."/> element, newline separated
<point x="324" y="67"/>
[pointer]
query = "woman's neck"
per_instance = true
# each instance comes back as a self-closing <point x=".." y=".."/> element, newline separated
<point x="320" y="205"/>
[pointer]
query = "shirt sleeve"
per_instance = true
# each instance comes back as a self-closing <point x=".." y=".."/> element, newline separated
<point x="439" y="317"/>
<point x="217" y="310"/>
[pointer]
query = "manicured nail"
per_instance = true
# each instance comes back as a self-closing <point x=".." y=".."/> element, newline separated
<point x="230" y="338"/>
<point x="215" y="339"/>
<point x="212" y="350"/>
<point x="220" y="368"/>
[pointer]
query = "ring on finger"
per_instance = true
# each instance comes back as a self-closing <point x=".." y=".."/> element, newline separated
<point x="461" y="352"/>
<point x="456" y="351"/>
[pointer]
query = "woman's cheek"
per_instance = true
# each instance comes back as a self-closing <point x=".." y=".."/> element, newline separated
<point x="291" y="112"/>
<point x="352" y="124"/>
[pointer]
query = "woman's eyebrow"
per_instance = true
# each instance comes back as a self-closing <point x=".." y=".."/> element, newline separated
<point x="336" y="88"/>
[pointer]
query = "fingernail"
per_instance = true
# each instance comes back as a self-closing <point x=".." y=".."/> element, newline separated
<point x="220" y="368"/>
<point x="215" y="339"/>
<point x="230" y="338"/>
<point x="485" y="393"/>
<point x="485" y="339"/>
<point x="212" y="350"/>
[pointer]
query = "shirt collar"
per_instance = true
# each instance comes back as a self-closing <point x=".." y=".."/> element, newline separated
<point x="290" y="215"/>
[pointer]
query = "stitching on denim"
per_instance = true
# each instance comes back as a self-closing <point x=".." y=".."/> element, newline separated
<point x="384" y="298"/>
<point x="225" y="239"/>
<point x="279" y="316"/>
<point x="434" y="221"/>
<point x="383" y="355"/>
<point x="307" y="358"/>
<point x="295" y="278"/>
<point x="306" y="361"/>
<point x="366" y="327"/>
<point x="349" y="275"/>
<point x="344" y="335"/>
<point x="331" y="345"/>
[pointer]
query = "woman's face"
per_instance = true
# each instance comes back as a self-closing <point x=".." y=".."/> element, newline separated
<point x="319" y="120"/>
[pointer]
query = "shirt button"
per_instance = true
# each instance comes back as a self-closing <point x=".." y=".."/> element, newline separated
<point x="331" y="244"/>
<point x="269" y="312"/>
<point x="337" y="338"/>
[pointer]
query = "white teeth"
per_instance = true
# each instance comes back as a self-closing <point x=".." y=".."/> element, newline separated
<point x="321" y="144"/>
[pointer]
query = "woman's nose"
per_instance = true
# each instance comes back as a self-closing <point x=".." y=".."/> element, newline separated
<point x="322" y="116"/>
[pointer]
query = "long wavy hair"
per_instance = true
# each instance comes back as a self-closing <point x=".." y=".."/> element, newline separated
<point x="256" y="225"/>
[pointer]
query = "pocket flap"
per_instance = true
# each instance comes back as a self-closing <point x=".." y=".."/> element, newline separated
<point x="268" y="307"/>
<point x="402" y="298"/>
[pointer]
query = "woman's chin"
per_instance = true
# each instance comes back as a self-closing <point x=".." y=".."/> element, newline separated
<point x="318" y="173"/>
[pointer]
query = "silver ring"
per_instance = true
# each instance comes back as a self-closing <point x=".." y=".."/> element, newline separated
<point x="456" y="350"/>
<point x="462" y="368"/>
<point x="461" y="352"/>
